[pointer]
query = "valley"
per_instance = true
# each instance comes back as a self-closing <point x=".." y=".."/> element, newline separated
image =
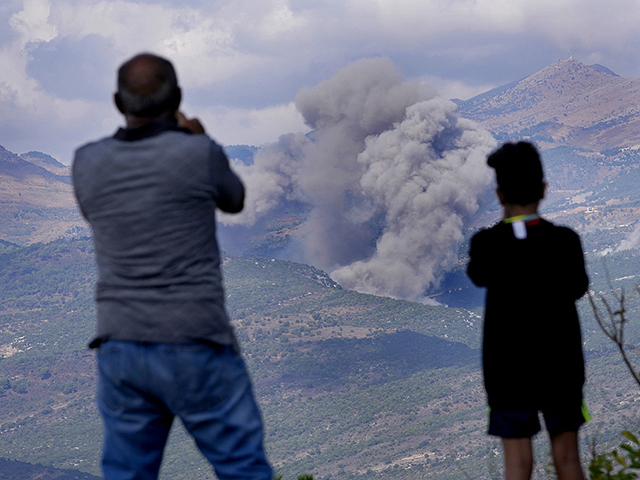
<point x="352" y="386"/>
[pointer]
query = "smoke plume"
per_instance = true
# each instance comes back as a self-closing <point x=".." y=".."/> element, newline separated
<point x="390" y="174"/>
<point x="631" y="241"/>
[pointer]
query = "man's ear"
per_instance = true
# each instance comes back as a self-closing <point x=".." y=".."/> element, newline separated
<point x="544" y="189"/>
<point x="500" y="196"/>
<point x="118" y="102"/>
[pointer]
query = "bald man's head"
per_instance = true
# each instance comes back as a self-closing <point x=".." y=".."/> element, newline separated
<point x="147" y="87"/>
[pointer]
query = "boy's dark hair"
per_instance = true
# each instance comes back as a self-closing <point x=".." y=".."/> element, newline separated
<point x="519" y="172"/>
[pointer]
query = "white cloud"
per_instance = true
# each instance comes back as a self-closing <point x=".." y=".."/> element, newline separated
<point x="202" y="45"/>
<point x="32" y="119"/>
<point x="585" y="23"/>
<point x="247" y="58"/>
<point x="429" y="19"/>
<point x="235" y="126"/>
<point x="32" y="23"/>
<point x="281" y="20"/>
<point x="452" y="89"/>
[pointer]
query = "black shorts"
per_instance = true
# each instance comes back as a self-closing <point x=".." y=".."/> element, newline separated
<point x="526" y="424"/>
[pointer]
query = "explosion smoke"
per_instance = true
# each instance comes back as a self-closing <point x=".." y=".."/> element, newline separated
<point x="391" y="174"/>
<point x="631" y="241"/>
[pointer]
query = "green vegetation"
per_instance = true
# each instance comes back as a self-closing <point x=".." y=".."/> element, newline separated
<point x="351" y="386"/>
<point x="622" y="463"/>
<point x="12" y="470"/>
<point x="319" y="355"/>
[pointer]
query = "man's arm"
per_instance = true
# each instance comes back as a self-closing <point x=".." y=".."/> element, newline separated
<point x="229" y="189"/>
<point x="78" y="182"/>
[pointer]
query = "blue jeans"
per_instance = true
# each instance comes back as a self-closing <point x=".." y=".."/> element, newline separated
<point x="142" y="386"/>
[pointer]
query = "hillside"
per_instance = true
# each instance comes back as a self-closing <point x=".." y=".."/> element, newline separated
<point x="352" y="386"/>
<point x="36" y="203"/>
<point x="314" y="350"/>
<point x="566" y="103"/>
<point x="584" y="119"/>
<point x="36" y="196"/>
<point x="12" y="470"/>
<point x="47" y="162"/>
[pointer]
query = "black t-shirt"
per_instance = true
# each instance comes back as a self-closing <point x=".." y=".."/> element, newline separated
<point x="532" y="347"/>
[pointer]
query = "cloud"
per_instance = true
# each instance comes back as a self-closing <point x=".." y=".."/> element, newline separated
<point x="390" y="174"/>
<point x="238" y="126"/>
<point x="203" y="46"/>
<point x="453" y="89"/>
<point x="281" y="21"/>
<point x="631" y="241"/>
<point x="245" y="56"/>
<point x="32" y="22"/>
<point x="33" y="119"/>
<point x="61" y="61"/>
<point x="73" y="69"/>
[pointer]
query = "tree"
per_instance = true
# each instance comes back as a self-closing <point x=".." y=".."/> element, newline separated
<point x="613" y="325"/>
<point x="623" y="462"/>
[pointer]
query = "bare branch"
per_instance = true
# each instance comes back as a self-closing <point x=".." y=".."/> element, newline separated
<point x="614" y="327"/>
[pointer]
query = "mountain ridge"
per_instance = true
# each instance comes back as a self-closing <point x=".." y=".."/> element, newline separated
<point x="565" y="103"/>
<point x="351" y="386"/>
<point x="14" y="166"/>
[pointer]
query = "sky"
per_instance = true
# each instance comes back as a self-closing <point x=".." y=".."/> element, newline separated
<point x="242" y="62"/>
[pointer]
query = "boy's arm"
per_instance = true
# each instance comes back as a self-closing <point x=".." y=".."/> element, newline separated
<point x="579" y="283"/>
<point x="478" y="269"/>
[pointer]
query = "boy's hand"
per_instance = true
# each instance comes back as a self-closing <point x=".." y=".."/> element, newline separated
<point x="192" y="124"/>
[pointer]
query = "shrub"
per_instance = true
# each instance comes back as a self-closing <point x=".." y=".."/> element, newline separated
<point x="622" y="463"/>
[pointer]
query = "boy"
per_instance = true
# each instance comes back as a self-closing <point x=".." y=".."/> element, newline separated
<point x="532" y="349"/>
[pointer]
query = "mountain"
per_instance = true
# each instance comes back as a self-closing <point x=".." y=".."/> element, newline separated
<point x="337" y="372"/>
<point x="351" y="386"/>
<point x="47" y="162"/>
<point x="36" y="199"/>
<point x="12" y="470"/>
<point x="566" y="103"/>
<point x="12" y="165"/>
<point x="243" y="153"/>
<point x="585" y="121"/>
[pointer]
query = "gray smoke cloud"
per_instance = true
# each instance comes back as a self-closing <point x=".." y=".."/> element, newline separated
<point x="390" y="173"/>
<point x="631" y="241"/>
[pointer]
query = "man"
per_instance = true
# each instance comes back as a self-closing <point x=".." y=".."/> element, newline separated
<point x="165" y="345"/>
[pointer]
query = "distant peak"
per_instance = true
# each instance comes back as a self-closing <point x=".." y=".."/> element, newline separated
<point x="603" y="69"/>
<point x="571" y="62"/>
<point x="565" y="61"/>
<point x="43" y="157"/>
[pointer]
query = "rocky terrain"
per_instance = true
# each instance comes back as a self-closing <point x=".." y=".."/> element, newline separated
<point x="565" y="104"/>
<point x="352" y="386"/>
